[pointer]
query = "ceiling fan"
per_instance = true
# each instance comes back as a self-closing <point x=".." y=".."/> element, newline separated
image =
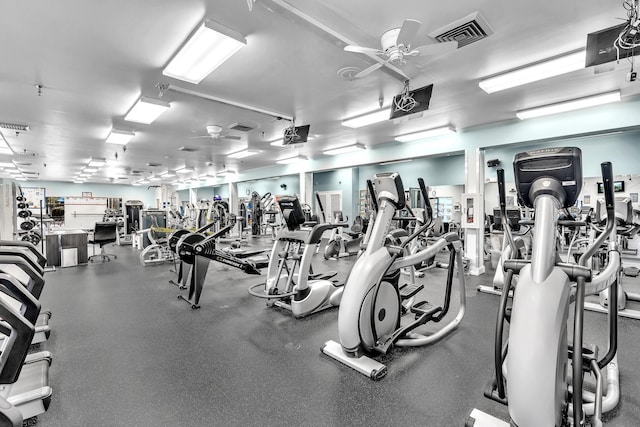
<point x="396" y="47"/>
<point x="215" y="132"/>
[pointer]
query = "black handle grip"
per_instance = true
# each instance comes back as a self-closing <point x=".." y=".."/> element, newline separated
<point x="425" y="196"/>
<point x="324" y="217"/>
<point x="607" y="178"/>
<point x="501" y="191"/>
<point x="372" y="193"/>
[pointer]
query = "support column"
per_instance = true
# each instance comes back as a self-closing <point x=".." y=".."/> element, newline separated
<point x="306" y="188"/>
<point x="474" y="236"/>
<point x="234" y="201"/>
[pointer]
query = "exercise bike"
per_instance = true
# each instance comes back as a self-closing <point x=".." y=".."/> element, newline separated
<point x="291" y="283"/>
<point x="373" y="303"/>
<point x="534" y="365"/>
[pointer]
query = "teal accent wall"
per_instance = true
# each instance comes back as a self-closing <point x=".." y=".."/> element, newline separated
<point x="622" y="150"/>
<point x="126" y="192"/>
<point x="270" y="185"/>
<point x="448" y="170"/>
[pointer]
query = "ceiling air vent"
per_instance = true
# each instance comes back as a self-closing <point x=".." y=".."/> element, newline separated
<point x="189" y="149"/>
<point x="14" y="127"/>
<point x="154" y="165"/>
<point x="242" y="127"/>
<point x="467" y="30"/>
<point x="136" y="172"/>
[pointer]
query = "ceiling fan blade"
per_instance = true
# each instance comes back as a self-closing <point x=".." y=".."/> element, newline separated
<point x="434" y="49"/>
<point x="198" y="137"/>
<point x="408" y="31"/>
<point x="368" y="70"/>
<point x="360" y="49"/>
<point x="232" y="137"/>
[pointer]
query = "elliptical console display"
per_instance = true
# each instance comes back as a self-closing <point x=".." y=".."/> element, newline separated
<point x="556" y="171"/>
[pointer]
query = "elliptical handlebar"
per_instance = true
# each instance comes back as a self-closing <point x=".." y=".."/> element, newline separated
<point x="425" y="196"/>
<point x="506" y="228"/>
<point x="607" y="178"/>
<point x="372" y="193"/>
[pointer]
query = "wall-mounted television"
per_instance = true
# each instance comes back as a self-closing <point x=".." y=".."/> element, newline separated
<point x="618" y="187"/>
<point x="296" y="135"/>
<point x="421" y="96"/>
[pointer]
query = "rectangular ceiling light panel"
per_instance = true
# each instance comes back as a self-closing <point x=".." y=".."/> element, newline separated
<point x="242" y="154"/>
<point x="208" y="48"/>
<point x="146" y="110"/>
<point x="424" y="134"/>
<point x="574" y="104"/>
<point x="97" y="162"/>
<point x="290" y="160"/>
<point x="345" y="149"/>
<point x="120" y="137"/>
<point x="532" y="73"/>
<point x="368" y="118"/>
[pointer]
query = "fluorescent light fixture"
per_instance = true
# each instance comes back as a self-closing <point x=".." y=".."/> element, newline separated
<point x="226" y="173"/>
<point x="144" y="181"/>
<point x="208" y="48"/>
<point x="184" y="170"/>
<point x="6" y="165"/>
<point x="423" y="134"/>
<point x="84" y="175"/>
<point x="575" y="104"/>
<point x="155" y="178"/>
<point x="137" y="184"/>
<point x="290" y="160"/>
<point x="394" y="162"/>
<point x="368" y="118"/>
<point x="278" y="142"/>
<point x="146" y="110"/>
<point x="20" y="178"/>
<point x="345" y="149"/>
<point x="78" y="181"/>
<point x="167" y="174"/>
<point x="120" y="137"/>
<point x="243" y="153"/>
<point x="531" y="73"/>
<point x="97" y="162"/>
<point x="90" y="170"/>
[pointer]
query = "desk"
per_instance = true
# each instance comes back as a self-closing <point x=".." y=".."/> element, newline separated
<point x="66" y="239"/>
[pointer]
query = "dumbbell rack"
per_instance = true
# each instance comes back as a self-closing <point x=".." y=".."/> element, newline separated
<point x="27" y="225"/>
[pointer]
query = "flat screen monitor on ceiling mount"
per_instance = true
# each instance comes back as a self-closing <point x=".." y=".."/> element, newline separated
<point x="296" y="134"/>
<point x="400" y="106"/>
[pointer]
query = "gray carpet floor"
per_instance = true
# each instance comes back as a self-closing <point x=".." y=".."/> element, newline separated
<point x="127" y="352"/>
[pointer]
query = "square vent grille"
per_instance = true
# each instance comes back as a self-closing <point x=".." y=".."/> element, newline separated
<point x="14" y="127"/>
<point x="241" y="127"/>
<point x="189" y="149"/>
<point x="470" y="29"/>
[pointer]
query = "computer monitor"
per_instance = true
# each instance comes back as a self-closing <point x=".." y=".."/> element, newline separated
<point x="292" y="212"/>
<point x="618" y="187"/>
<point x="296" y="134"/>
<point x="513" y="217"/>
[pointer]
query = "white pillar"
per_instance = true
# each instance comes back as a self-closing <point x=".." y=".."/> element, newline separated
<point x="234" y="201"/>
<point x="474" y="184"/>
<point x="306" y="188"/>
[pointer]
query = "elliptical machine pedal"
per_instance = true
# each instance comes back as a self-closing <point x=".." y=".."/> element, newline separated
<point x="409" y="290"/>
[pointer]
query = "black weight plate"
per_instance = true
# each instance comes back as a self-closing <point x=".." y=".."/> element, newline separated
<point x="22" y="205"/>
<point x="26" y="225"/>
<point x="24" y="214"/>
<point x="21" y="199"/>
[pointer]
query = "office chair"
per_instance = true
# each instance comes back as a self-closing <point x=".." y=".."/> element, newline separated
<point x="104" y="233"/>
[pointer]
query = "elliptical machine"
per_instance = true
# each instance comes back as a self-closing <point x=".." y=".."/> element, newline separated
<point x="291" y="283"/>
<point x="373" y="303"/>
<point x="533" y="365"/>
